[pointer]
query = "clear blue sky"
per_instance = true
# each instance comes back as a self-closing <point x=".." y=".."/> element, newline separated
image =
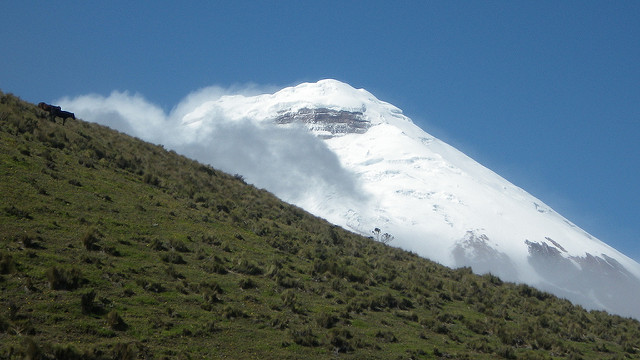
<point x="545" y="93"/>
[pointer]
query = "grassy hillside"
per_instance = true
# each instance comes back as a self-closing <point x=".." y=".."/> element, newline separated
<point x="111" y="247"/>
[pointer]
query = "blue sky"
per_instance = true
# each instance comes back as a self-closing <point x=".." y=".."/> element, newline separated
<point x="545" y="93"/>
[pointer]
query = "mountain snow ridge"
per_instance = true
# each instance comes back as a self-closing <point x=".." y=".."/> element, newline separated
<point x="360" y="163"/>
<point x="328" y="93"/>
<point x="437" y="201"/>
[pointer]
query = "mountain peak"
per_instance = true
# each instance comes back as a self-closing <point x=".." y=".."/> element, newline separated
<point x="336" y="95"/>
<point x="328" y="94"/>
<point x="331" y="86"/>
<point x="328" y="91"/>
<point x="435" y="200"/>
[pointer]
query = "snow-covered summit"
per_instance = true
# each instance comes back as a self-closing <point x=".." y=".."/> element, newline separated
<point x="328" y="94"/>
<point x="431" y="197"/>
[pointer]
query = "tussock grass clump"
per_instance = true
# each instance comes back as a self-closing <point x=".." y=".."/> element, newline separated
<point x="326" y="320"/>
<point x="4" y="324"/>
<point x="304" y="337"/>
<point x="90" y="240"/>
<point x="125" y="351"/>
<point x="150" y="179"/>
<point x="178" y="245"/>
<point x="339" y="340"/>
<point x="7" y="264"/>
<point x="30" y="241"/>
<point x="247" y="267"/>
<point x="173" y="258"/>
<point x="386" y="336"/>
<point x="232" y="312"/>
<point x="31" y="349"/>
<point x="18" y="213"/>
<point x="289" y="299"/>
<point x="247" y="283"/>
<point x="88" y="304"/>
<point x="115" y="321"/>
<point x="216" y="267"/>
<point x="173" y="272"/>
<point x="154" y="287"/>
<point x="158" y="245"/>
<point x="64" y="279"/>
<point x="210" y="298"/>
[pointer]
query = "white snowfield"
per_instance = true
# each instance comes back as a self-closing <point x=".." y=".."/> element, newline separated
<point x="432" y="198"/>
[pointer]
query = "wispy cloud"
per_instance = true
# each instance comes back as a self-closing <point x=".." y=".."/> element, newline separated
<point x="131" y="114"/>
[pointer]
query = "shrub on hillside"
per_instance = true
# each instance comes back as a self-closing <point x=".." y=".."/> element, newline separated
<point x="247" y="283"/>
<point x="88" y="305"/>
<point x="178" y="246"/>
<point x="151" y="179"/>
<point x="326" y="320"/>
<point x="150" y="286"/>
<point x="32" y="350"/>
<point x="215" y="268"/>
<point x="20" y="214"/>
<point x="210" y="285"/>
<point x="30" y="241"/>
<point x="339" y="340"/>
<point x="286" y="281"/>
<point x="246" y="267"/>
<point x="386" y="336"/>
<point x="304" y="337"/>
<point x="171" y="271"/>
<point x="157" y="245"/>
<point x="173" y="258"/>
<point x="115" y="321"/>
<point x="125" y="351"/>
<point x="64" y="279"/>
<point x="90" y="240"/>
<point x="69" y="352"/>
<point x="4" y="325"/>
<point x="209" y="298"/>
<point x="7" y="264"/>
<point x="231" y="312"/>
<point x="288" y="298"/>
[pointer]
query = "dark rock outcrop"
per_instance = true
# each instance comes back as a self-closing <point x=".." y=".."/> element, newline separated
<point x="327" y="122"/>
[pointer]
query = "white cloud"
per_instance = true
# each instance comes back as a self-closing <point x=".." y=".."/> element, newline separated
<point x="289" y="162"/>
<point x="131" y="114"/>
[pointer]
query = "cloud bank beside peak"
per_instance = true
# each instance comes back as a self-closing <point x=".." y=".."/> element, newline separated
<point x="289" y="162"/>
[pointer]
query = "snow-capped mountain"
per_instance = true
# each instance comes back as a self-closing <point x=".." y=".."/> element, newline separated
<point x="432" y="198"/>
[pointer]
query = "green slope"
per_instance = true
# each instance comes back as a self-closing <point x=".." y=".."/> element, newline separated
<point x="111" y="247"/>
